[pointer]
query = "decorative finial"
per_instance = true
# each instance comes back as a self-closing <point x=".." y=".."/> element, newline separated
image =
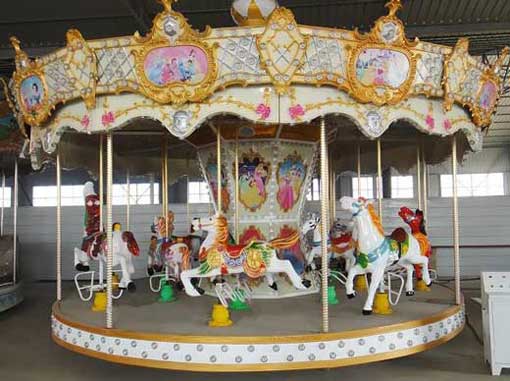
<point x="393" y="7"/>
<point x="167" y="4"/>
<point x="21" y="58"/>
<point x="252" y="12"/>
<point x="15" y="44"/>
<point x="501" y="59"/>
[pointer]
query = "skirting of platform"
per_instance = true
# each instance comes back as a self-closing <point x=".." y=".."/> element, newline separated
<point x="230" y="353"/>
<point x="10" y="296"/>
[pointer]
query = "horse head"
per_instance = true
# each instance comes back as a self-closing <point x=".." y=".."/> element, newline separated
<point x="310" y="225"/>
<point x="406" y="214"/>
<point x="354" y="205"/>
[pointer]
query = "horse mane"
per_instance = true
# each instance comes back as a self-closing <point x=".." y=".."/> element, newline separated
<point x="419" y="214"/>
<point x="375" y="219"/>
<point x="285" y="242"/>
<point x="222" y="233"/>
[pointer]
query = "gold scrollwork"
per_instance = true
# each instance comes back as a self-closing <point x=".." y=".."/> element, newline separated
<point x="282" y="48"/>
<point x="81" y="64"/>
<point x="170" y="30"/>
<point x="30" y="87"/>
<point x="386" y="47"/>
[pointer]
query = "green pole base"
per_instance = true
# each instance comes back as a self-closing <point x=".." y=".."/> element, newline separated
<point x="237" y="305"/>
<point x="167" y="294"/>
<point x="332" y="299"/>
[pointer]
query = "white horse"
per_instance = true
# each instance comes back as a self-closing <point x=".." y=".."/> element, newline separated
<point x="255" y="259"/>
<point x="94" y="242"/>
<point x="341" y="246"/>
<point x="375" y="251"/>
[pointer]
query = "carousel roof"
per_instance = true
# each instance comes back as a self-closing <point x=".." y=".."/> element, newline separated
<point x="268" y="70"/>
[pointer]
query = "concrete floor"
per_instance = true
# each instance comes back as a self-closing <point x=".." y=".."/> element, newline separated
<point x="27" y="353"/>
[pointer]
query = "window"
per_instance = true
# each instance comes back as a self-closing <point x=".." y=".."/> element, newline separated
<point x="402" y="187"/>
<point x="367" y="187"/>
<point x="314" y="192"/>
<point x="139" y="194"/>
<point x="474" y="184"/>
<point x="198" y="192"/>
<point x="7" y="197"/>
<point x="47" y="195"/>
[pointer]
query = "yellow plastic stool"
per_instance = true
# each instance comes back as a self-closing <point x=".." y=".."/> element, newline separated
<point x="220" y="316"/>
<point x="382" y="304"/>
<point x="99" y="303"/>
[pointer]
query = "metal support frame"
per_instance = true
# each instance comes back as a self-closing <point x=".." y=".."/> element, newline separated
<point x="59" y="221"/>
<point x="379" y="178"/>
<point x="324" y="221"/>
<point x="109" y="232"/>
<point x="455" y="207"/>
<point x="418" y="177"/>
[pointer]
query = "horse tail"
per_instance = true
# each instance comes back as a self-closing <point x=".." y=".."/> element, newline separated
<point x="186" y="258"/>
<point x="96" y="245"/>
<point x="132" y="245"/>
<point x="285" y="242"/>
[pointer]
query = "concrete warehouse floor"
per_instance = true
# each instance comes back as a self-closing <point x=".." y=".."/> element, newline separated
<point x="28" y="353"/>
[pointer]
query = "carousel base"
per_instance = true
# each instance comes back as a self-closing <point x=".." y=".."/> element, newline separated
<point x="10" y="296"/>
<point x="278" y="334"/>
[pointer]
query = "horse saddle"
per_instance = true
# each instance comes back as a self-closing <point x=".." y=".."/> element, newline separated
<point x="234" y="251"/>
<point x="343" y="239"/>
<point x="401" y="238"/>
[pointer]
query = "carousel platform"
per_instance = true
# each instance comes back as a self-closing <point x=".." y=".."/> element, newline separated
<point x="10" y="296"/>
<point x="279" y="334"/>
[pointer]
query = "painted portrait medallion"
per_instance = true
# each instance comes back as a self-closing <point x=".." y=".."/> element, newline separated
<point x="290" y="176"/>
<point x="32" y="93"/>
<point x="382" y="68"/>
<point x="211" y="171"/>
<point x="176" y="64"/>
<point x="254" y="174"/>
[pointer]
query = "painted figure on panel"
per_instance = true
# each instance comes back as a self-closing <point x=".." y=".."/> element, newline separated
<point x="254" y="174"/>
<point x="290" y="176"/>
<point x="184" y="63"/>
<point x="212" y="176"/>
<point x="382" y="67"/>
<point x="32" y="93"/>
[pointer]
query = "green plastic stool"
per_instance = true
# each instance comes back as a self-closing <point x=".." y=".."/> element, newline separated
<point x="167" y="294"/>
<point x="237" y="304"/>
<point x="332" y="299"/>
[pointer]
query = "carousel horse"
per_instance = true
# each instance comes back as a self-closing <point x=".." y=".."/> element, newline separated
<point x="94" y="244"/>
<point x="417" y="224"/>
<point x="340" y="242"/>
<point x="173" y="253"/>
<point x="376" y="251"/>
<point x="255" y="259"/>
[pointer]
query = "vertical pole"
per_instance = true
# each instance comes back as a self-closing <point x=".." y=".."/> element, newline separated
<point x="151" y="190"/>
<point x="109" y="233"/>
<point x="164" y="183"/>
<point x="128" y="204"/>
<point x="418" y="177"/>
<point x="3" y="206"/>
<point x="324" y="224"/>
<point x="456" y="248"/>
<point x="425" y="189"/>
<point x="101" y="182"/>
<point x="218" y="171"/>
<point x="332" y="196"/>
<point x="236" y="175"/>
<point x="359" y="169"/>
<point x="379" y="178"/>
<point x="188" y="211"/>
<point x="59" y="222"/>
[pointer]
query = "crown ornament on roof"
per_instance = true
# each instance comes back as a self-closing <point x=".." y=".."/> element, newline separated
<point x="252" y="12"/>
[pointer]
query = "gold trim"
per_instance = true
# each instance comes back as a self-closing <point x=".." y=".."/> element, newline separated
<point x="290" y="339"/>
<point x="259" y="367"/>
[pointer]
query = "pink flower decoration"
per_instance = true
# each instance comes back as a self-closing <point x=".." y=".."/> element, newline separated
<point x="296" y="111"/>
<point x="447" y="124"/>
<point x="430" y="122"/>
<point x="263" y="111"/>
<point x="107" y="118"/>
<point x="85" y="121"/>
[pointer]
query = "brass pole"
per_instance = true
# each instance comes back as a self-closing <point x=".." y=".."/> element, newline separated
<point x="456" y="248"/>
<point x="59" y="223"/>
<point x="236" y="174"/>
<point x="3" y="206"/>
<point x="128" y="204"/>
<point x="379" y="178"/>
<point x="218" y="171"/>
<point x="101" y="182"/>
<point x="359" y="170"/>
<point x="109" y="230"/>
<point x="418" y="176"/>
<point x="324" y="224"/>
<point x="425" y="192"/>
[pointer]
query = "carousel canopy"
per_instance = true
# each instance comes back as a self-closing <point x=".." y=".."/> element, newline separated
<point x="269" y="77"/>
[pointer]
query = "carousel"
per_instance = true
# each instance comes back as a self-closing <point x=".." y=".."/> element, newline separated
<point x="264" y="280"/>
<point x="12" y="142"/>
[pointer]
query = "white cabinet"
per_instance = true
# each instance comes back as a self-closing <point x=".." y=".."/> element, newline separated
<point x="496" y="319"/>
